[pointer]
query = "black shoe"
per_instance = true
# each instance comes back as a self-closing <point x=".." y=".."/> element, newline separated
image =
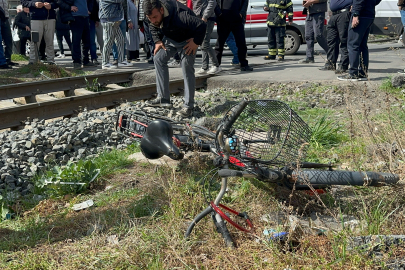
<point x="341" y="70"/>
<point x="150" y="61"/>
<point x="185" y="112"/>
<point x="246" y="68"/>
<point x="363" y="77"/>
<point x="159" y="102"/>
<point x="77" y="66"/>
<point x="13" y="64"/>
<point x="327" y="67"/>
<point x="269" y="57"/>
<point x="280" y="58"/>
<point x="306" y="61"/>
<point x="5" y="66"/>
<point x="401" y="71"/>
<point x="349" y="77"/>
<point x="88" y="64"/>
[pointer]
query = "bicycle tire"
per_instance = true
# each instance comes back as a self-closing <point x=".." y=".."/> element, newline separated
<point x="321" y="178"/>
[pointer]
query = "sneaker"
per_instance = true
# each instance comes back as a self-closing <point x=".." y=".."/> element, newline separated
<point x="115" y="62"/>
<point x="214" y="70"/>
<point x="269" y="57"/>
<point x="235" y="64"/>
<point x="280" y="58"/>
<point x="306" y="61"/>
<point x="95" y="62"/>
<point x="363" y="77"/>
<point x="5" y="66"/>
<point x="201" y="71"/>
<point x="174" y="64"/>
<point x="185" y="112"/>
<point x="77" y="66"/>
<point x="109" y="66"/>
<point x="61" y="56"/>
<point x="159" y="102"/>
<point x="348" y="77"/>
<point x="51" y="63"/>
<point x="88" y="64"/>
<point x="246" y="68"/>
<point x="125" y="64"/>
<point x="327" y="67"/>
<point x="13" y="64"/>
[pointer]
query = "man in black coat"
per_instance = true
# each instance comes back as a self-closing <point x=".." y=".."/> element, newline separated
<point x="174" y="28"/>
<point x="231" y="17"/>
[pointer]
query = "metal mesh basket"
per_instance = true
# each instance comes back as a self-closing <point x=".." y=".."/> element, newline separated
<point x="268" y="132"/>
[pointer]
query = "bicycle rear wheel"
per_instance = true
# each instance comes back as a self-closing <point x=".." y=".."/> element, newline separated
<point x="319" y="178"/>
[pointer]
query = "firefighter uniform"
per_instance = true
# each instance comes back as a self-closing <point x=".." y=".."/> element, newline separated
<point x="276" y="21"/>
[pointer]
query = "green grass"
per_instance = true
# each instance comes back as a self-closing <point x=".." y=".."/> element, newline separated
<point x="19" y="57"/>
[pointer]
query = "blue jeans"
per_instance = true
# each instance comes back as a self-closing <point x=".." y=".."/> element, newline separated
<point x="402" y="17"/>
<point x="357" y="46"/>
<point x="230" y="41"/>
<point x="123" y="27"/>
<point x="93" y="46"/>
<point x="2" y="58"/>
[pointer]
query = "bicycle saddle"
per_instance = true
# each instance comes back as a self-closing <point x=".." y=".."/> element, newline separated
<point x="157" y="141"/>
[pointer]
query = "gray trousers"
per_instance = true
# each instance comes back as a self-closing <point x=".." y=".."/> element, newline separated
<point x="99" y="35"/>
<point x="162" y="71"/>
<point x="314" y="30"/>
<point x="46" y="29"/>
<point x="207" y="51"/>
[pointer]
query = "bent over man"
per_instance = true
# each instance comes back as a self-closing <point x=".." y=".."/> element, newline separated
<point x="276" y="26"/>
<point x="174" y="28"/>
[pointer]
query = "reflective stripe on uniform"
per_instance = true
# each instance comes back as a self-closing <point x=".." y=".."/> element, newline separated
<point x="280" y="6"/>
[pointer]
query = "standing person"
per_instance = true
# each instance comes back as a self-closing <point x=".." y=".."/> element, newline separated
<point x="111" y="15"/>
<point x="149" y="46"/>
<point x="230" y="19"/>
<point x="204" y="9"/>
<point x="174" y="28"/>
<point x="3" y="61"/>
<point x="276" y="26"/>
<point x="23" y="22"/>
<point x="124" y="26"/>
<point x="62" y="31"/>
<point x="6" y="34"/>
<point x="43" y="20"/>
<point x="132" y="37"/>
<point x="363" y="14"/>
<point x="80" y="28"/>
<point x="337" y="29"/>
<point x="401" y="7"/>
<point x="314" y="27"/>
<point x="94" y="22"/>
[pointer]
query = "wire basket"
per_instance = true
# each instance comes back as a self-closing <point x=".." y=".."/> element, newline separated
<point x="268" y="132"/>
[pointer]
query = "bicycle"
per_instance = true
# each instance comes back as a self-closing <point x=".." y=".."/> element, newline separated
<point x="263" y="139"/>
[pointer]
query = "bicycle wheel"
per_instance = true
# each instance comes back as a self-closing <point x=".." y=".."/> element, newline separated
<point x="319" y="178"/>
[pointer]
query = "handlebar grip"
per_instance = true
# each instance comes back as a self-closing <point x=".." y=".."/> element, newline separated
<point x="234" y="114"/>
<point x="229" y="173"/>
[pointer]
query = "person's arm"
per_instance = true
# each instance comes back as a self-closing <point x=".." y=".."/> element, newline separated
<point x="193" y="23"/>
<point x="243" y="9"/>
<point x="90" y="6"/>
<point x="357" y="6"/>
<point x="18" y="21"/>
<point x="65" y="5"/>
<point x="209" y="10"/>
<point x="311" y="2"/>
<point x="400" y="3"/>
<point x="28" y="3"/>
<point x="289" y="10"/>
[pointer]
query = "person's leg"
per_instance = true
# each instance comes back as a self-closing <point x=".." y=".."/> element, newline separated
<point x="402" y="12"/>
<point x="99" y="34"/>
<point x="122" y="27"/>
<point x="333" y="41"/>
<point x="7" y="40"/>
<point x="76" y="27"/>
<point x="309" y="36"/>
<point x="93" y="47"/>
<point x="120" y="44"/>
<point x="49" y="33"/>
<point x="23" y="43"/>
<point x="66" y="35"/>
<point x="108" y="35"/>
<point x="319" y="21"/>
<point x="208" y="51"/>
<point x="148" y="36"/>
<point x="162" y="70"/>
<point x="85" y="40"/>
<point x="343" y="26"/>
<point x="59" y="38"/>
<point x="187" y="66"/>
<point x="230" y="41"/>
<point x="355" y="37"/>
<point x="37" y="26"/>
<point x="223" y="30"/>
<point x="364" y="59"/>
<point x="238" y="31"/>
<point x="280" y="35"/>
<point x="3" y="61"/>
<point x="271" y="39"/>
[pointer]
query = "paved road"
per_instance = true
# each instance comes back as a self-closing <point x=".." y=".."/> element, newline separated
<point x="385" y="60"/>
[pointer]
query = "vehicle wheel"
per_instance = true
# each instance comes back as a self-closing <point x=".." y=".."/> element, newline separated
<point x="292" y="42"/>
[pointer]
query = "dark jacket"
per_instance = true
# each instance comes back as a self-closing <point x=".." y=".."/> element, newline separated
<point x="65" y="11"/>
<point x="21" y="21"/>
<point x="278" y="9"/>
<point x="2" y="14"/>
<point x="230" y="10"/>
<point x="401" y="3"/>
<point x="59" y="24"/>
<point x="322" y="6"/>
<point x="180" y="24"/>
<point x="204" y="9"/>
<point x="94" y="12"/>
<point x="365" y="8"/>
<point x="40" y="14"/>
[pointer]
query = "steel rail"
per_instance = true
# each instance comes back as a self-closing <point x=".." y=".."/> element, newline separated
<point x="29" y="89"/>
<point x="15" y="116"/>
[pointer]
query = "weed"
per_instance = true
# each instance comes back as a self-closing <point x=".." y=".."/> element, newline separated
<point x="326" y="133"/>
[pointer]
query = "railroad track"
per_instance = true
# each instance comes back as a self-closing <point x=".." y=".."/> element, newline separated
<point x="67" y="96"/>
